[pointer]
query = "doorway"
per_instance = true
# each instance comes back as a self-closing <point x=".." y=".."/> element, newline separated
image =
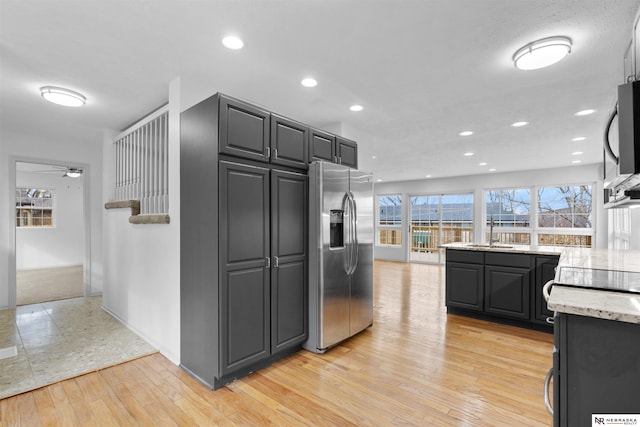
<point x="49" y="232"/>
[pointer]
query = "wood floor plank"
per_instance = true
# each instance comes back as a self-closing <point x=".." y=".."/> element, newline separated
<point x="416" y="366"/>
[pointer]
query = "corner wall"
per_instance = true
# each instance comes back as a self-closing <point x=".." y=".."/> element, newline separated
<point x="142" y="262"/>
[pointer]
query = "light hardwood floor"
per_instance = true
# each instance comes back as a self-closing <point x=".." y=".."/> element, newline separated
<point x="415" y="366"/>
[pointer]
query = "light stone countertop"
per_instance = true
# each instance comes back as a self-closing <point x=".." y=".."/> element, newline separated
<point x="611" y="305"/>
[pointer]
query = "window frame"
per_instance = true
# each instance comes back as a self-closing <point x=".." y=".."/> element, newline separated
<point x="389" y="227"/>
<point x="20" y="209"/>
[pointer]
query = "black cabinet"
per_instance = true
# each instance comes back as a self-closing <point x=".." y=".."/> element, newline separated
<point x="465" y="285"/>
<point x="506" y="291"/>
<point x="244" y="129"/>
<point x="545" y="270"/>
<point x="498" y="285"/>
<point x="596" y="369"/>
<point x="244" y="263"/>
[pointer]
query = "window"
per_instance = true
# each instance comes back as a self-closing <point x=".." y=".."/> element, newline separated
<point x="457" y="218"/>
<point x="509" y="212"/>
<point x="564" y="215"/>
<point x="390" y="220"/>
<point x="34" y="207"/>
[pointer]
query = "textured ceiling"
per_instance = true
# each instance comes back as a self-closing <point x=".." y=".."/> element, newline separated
<point x="423" y="70"/>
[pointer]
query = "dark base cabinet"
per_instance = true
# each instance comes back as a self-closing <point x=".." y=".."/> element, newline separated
<point x="596" y="369"/>
<point x="499" y="286"/>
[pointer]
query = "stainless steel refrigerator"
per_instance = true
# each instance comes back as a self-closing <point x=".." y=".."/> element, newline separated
<point x="340" y="254"/>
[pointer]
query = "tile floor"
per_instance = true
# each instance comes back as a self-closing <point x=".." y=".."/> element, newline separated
<point x="62" y="339"/>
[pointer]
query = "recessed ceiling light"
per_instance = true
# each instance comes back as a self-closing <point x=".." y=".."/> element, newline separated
<point x="584" y="112"/>
<point x="576" y="161"/>
<point x="373" y="157"/>
<point x="356" y="107"/>
<point x="232" y="42"/>
<point x="578" y="138"/>
<point x="492" y="170"/>
<point x="482" y="164"/>
<point x="519" y="124"/>
<point x="468" y="154"/>
<point x="62" y="96"/>
<point x="542" y="53"/>
<point x="427" y="176"/>
<point x="576" y="153"/>
<point x="309" y="82"/>
<point x="378" y="180"/>
<point x="466" y="133"/>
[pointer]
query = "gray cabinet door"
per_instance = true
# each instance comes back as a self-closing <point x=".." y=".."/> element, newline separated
<point x="244" y="130"/>
<point x="347" y="152"/>
<point x="289" y="277"/>
<point x="507" y="291"/>
<point x="465" y="285"/>
<point x="244" y="230"/>
<point x="322" y="146"/>
<point x="545" y="270"/>
<point x="289" y="142"/>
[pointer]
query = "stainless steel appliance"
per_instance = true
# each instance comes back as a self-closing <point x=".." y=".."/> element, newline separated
<point x="340" y="254"/>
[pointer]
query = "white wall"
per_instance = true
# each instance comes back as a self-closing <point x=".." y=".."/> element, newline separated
<point x="63" y="244"/>
<point x="477" y="184"/>
<point x="142" y="262"/>
<point x="49" y="149"/>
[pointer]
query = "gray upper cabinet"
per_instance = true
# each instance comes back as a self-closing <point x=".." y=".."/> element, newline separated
<point x="289" y="142"/>
<point x="244" y="130"/>
<point x="244" y="276"/>
<point x="322" y="146"/>
<point x="347" y="152"/>
<point x="289" y="225"/>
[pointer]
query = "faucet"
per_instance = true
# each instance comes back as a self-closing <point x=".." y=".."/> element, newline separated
<point x="491" y="239"/>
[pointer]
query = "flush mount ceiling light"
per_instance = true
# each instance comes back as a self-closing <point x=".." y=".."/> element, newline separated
<point x="356" y="107"/>
<point x="542" y="53"/>
<point x="73" y="172"/>
<point x="232" y="42"/>
<point x="468" y="154"/>
<point x="62" y="96"/>
<point x="519" y="124"/>
<point x="584" y="112"/>
<point x="465" y="133"/>
<point x="578" y="138"/>
<point x="309" y="82"/>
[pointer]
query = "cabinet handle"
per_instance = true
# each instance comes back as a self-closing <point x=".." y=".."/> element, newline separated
<point x="268" y="262"/>
<point x="275" y="153"/>
<point x="267" y="153"/>
<point x="276" y="262"/>
<point x="550" y="320"/>
<point x="547" y="381"/>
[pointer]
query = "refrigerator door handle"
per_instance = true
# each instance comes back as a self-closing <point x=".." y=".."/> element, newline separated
<point x="354" y="240"/>
<point x="346" y="255"/>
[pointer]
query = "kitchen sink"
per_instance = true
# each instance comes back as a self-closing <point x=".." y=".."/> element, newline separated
<point x="486" y="245"/>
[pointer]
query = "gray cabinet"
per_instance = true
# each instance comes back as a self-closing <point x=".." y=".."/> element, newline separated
<point x="332" y="148"/>
<point x="289" y="142"/>
<point x="347" y="152"/>
<point x="507" y="291"/>
<point x="596" y="369"/>
<point x="244" y="223"/>
<point x="244" y="129"/>
<point x="502" y="285"/>
<point x="244" y="257"/>
<point x="289" y="250"/>
<point x="464" y="274"/>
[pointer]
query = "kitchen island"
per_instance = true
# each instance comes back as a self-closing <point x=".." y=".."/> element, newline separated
<point x="501" y="283"/>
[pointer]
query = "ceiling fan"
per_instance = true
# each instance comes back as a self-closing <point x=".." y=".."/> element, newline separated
<point x="65" y="171"/>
